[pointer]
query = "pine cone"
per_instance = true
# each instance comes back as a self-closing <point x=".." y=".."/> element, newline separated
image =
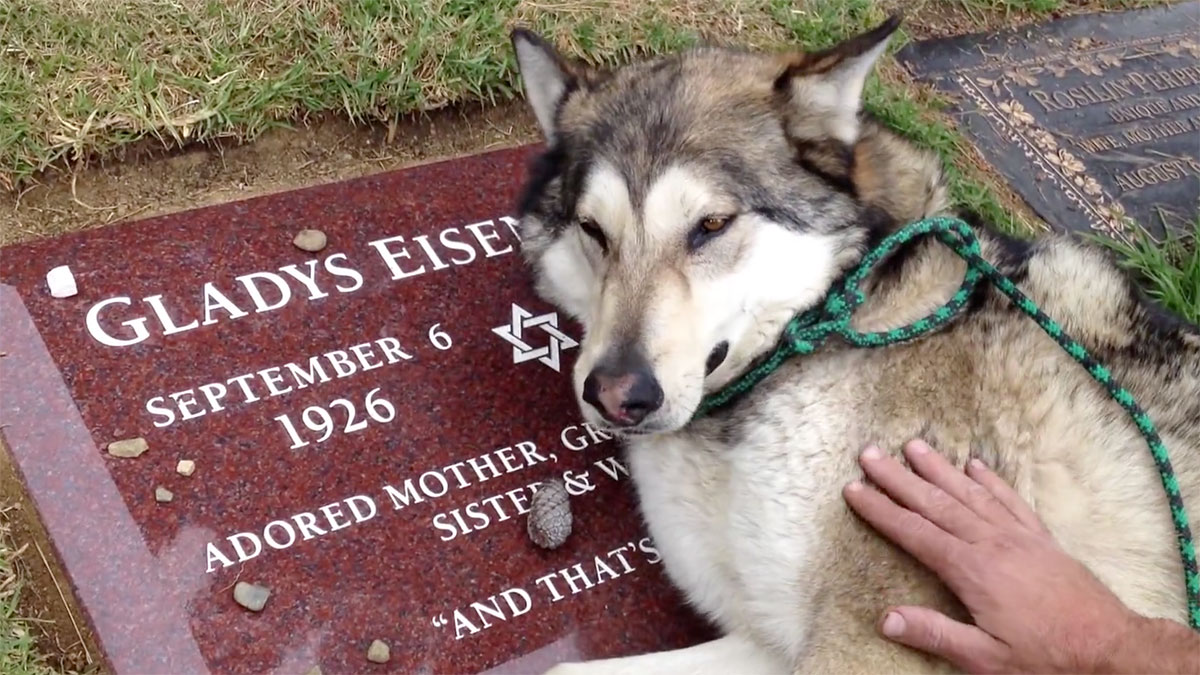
<point x="550" y="515"/>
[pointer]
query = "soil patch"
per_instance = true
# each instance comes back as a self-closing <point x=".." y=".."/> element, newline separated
<point x="47" y="602"/>
<point x="144" y="180"/>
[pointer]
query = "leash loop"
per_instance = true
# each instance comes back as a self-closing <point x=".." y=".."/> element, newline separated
<point x="804" y="334"/>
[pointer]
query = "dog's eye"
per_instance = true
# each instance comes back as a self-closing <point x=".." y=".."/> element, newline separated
<point x="591" y="229"/>
<point x="707" y="228"/>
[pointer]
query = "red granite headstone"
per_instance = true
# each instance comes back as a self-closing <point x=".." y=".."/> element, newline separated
<point x="368" y="424"/>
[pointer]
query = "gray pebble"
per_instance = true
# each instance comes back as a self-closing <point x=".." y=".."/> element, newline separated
<point x="251" y="596"/>
<point x="163" y="495"/>
<point x="128" y="448"/>
<point x="310" y="240"/>
<point x="378" y="652"/>
<point x="550" y="515"/>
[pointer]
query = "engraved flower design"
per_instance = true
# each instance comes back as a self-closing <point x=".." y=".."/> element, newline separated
<point x="1023" y="76"/>
<point x="1087" y="184"/>
<point x="989" y="83"/>
<point x="1083" y="43"/>
<point x="1110" y="59"/>
<point x="1065" y="161"/>
<point x="1193" y="48"/>
<point x="1085" y="66"/>
<point x="1016" y="113"/>
<point x="1044" y="139"/>
<point x="1059" y="69"/>
<point x="1115" y="215"/>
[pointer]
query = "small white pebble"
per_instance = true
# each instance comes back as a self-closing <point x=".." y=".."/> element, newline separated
<point x="378" y="652"/>
<point x="61" y="282"/>
<point x="163" y="495"/>
<point x="128" y="448"/>
<point x="185" y="467"/>
<point x="310" y="240"/>
<point x="251" y="596"/>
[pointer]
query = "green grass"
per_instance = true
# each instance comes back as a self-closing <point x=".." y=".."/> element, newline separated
<point x="1169" y="270"/>
<point x="79" y="77"/>
<point x="18" y="653"/>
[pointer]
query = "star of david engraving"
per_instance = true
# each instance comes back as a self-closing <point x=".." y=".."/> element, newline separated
<point x="514" y="334"/>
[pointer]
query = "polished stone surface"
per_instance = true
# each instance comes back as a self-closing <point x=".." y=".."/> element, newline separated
<point x="367" y="424"/>
<point x="1091" y="119"/>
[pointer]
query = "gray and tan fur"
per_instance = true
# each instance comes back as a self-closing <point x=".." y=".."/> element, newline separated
<point x="686" y="207"/>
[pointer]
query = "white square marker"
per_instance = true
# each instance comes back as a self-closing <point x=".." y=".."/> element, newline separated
<point x="61" y="282"/>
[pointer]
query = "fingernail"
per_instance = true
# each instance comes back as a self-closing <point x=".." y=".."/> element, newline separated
<point x="893" y="625"/>
<point x="854" y="486"/>
<point x="918" y="447"/>
<point x="977" y="464"/>
<point x="871" y="452"/>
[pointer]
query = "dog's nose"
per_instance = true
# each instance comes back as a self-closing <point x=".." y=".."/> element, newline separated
<point x="625" y="399"/>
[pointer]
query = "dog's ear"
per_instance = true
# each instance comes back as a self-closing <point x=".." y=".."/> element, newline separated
<point x="546" y="77"/>
<point x="822" y="91"/>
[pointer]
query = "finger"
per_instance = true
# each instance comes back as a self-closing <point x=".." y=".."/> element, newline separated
<point x="1004" y="494"/>
<point x="931" y="545"/>
<point x="933" y="467"/>
<point x="967" y="647"/>
<point x="923" y="497"/>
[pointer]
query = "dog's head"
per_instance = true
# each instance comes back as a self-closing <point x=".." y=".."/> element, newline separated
<point x="687" y="206"/>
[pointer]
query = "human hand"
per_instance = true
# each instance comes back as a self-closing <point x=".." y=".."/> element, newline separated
<point x="1036" y="609"/>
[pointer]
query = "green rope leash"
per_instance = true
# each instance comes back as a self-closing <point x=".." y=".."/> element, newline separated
<point x="807" y="332"/>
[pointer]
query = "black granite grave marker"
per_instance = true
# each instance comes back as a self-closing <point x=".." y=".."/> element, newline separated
<point x="1093" y="119"/>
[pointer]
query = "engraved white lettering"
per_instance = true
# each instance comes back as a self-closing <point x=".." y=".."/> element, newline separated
<point x="1156" y="174"/>
<point x="280" y="534"/>
<point x="279" y="380"/>
<point x="138" y="325"/>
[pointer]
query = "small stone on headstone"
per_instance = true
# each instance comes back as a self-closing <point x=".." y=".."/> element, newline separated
<point x="550" y="518"/>
<point x="61" y="282"/>
<point x="378" y="652"/>
<point x="185" y="467"/>
<point x="162" y="494"/>
<point x="310" y="240"/>
<point x="251" y="596"/>
<point x="130" y="447"/>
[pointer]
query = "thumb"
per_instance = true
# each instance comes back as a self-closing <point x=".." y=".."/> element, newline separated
<point x="965" y="646"/>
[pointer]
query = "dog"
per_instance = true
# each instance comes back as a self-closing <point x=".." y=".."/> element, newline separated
<point x="684" y="208"/>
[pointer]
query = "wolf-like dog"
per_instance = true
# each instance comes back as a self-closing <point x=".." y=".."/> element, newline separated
<point x="686" y="207"/>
